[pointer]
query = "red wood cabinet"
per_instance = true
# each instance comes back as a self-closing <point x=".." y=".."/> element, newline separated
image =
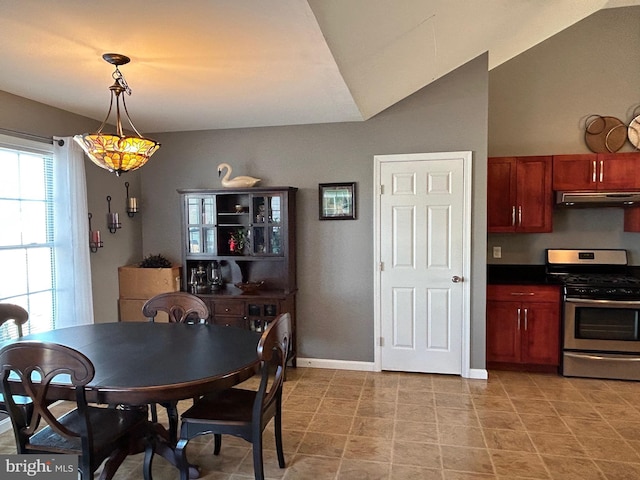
<point x="596" y="171"/>
<point x="519" y="194"/>
<point x="523" y="325"/>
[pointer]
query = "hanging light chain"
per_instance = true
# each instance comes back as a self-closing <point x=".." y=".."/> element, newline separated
<point x="118" y="77"/>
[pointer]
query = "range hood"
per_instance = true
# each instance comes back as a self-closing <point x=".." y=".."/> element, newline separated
<point x="597" y="199"/>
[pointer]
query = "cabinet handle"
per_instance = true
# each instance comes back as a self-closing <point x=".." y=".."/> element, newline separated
<point x="593" y="175"/>
<point x="522" y="294"/>
<point x="513" y="216"/>
<point x="526" y="315"/>
<point x="227" y="310"/>
<point x="518" y="319"/>
<point x="601" y="170"/>
<point x="520" y="215"/>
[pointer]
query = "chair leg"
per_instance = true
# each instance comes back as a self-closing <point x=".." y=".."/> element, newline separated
<point x="149" y="451"/>
<point x="181" y="458"/>
<point x="154" y="412"/>
<point x="258" y="466"/>
<point x="278" y="431"/>
<point x="217" y="443"/>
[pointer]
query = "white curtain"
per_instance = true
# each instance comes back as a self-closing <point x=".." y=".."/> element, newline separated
<point x="73" y="268"/>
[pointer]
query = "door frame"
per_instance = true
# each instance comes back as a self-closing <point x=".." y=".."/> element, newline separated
<point x="466" y="157"/>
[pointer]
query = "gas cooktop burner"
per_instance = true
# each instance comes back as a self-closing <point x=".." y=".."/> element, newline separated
<point x="600" y="280"/>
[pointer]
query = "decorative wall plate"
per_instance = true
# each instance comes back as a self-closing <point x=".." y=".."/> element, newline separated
<point x="605" y="134"/>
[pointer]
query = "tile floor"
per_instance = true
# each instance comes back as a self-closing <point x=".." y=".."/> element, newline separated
<point x="350" y="425"/>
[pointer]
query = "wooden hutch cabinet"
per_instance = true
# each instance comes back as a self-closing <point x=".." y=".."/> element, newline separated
<point x="213" y="220"/>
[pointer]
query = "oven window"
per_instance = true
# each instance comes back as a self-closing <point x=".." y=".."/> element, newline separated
<point x="607" y="323"/>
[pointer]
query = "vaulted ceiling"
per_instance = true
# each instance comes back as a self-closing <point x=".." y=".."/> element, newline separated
<point x="210" y="64"/>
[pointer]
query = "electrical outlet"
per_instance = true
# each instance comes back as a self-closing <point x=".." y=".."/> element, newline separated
<point x="497" y="252"/>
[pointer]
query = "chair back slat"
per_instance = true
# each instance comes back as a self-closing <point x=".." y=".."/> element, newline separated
<point x="180" y="306"/>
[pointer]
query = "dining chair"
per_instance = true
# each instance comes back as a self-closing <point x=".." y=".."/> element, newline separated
<point x="181" y="307"/>
<point x="244" y="413"/>
<point x="19" y="316"/>
<point x="91" y="432"/>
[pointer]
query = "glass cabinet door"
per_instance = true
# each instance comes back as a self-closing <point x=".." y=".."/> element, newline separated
<point x="266" y="230"/>
<point x="200" y="224"/>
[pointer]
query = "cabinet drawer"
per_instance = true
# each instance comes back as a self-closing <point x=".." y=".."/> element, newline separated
<point x="523" y="293"/>
<point x="239" y="322"/>
<point x="228" y="308"/>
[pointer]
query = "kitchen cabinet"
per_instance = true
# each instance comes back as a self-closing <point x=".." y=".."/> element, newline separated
<point x="519" y="194"/>
<point x="523" y="326"/>
<point x="244" y="235"/>
<point x="597" y="171"/>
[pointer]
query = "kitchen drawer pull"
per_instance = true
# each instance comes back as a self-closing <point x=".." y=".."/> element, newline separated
<point x="601" y="170"/>
<point x="519" y="215"/>
<point x="523" y="294"/>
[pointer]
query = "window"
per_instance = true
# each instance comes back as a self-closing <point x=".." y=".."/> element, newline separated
<point x="27" y="252"/>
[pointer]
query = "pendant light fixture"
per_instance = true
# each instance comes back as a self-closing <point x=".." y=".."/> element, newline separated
<point x="117" y="152"/>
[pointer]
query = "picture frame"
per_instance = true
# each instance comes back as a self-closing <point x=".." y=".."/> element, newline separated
<point x="337" y="201"/>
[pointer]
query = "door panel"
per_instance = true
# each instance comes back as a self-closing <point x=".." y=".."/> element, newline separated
<point x="421" y="225"/>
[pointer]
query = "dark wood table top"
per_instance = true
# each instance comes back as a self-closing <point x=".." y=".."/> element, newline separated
<point x="139" y="363"/>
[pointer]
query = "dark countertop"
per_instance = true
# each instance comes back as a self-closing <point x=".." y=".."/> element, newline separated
<point x="501" y="274"/>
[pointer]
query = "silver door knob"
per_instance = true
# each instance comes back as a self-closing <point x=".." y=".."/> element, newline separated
<point x="456" y="279"/>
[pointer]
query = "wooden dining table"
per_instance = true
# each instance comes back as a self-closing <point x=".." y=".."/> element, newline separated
<point x="139" y="363"/>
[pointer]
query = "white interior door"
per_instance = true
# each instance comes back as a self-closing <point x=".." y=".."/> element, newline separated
<point x="422" y="228"/>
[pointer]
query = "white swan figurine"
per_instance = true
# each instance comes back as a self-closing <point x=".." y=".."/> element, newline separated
<point x="240" y="181"/>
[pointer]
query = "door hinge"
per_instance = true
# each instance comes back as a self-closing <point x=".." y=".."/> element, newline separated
<point x="381" y="189"/>
<point x="381" y="266"/>
<point x="381" y="341"/>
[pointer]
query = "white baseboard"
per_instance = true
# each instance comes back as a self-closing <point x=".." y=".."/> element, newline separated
<point x="474" y="373"/>
<point x="479" y="373"/>
<point x="336" y="364"/>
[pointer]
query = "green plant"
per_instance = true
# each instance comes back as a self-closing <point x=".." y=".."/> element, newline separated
<point x="155" y="261"/>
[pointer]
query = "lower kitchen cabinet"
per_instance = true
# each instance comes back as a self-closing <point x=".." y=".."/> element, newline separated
<point x="523" y="327"/>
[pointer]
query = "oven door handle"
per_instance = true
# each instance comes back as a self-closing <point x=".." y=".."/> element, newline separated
<point x="612" y="303"/>
<point x="591" y="356"/>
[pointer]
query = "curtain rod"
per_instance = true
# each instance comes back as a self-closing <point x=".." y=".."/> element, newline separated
<point x="30" y="136"/>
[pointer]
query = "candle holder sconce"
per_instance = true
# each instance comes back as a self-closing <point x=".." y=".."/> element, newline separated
<point x="132" y="202"/>
<point x="113" y="222"/>
<point x="94" y="238"/>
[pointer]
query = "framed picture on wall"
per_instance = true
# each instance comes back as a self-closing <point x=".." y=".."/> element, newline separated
<point x="337" y="201"/>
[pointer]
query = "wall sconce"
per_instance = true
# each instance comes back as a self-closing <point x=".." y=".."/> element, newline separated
<point x="94" y="238"/>
<point x="113" y="222"/>
<point x="132" y="202"/>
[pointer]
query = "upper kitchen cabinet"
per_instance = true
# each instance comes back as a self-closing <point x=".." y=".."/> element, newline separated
<point x="601" y="171"/>
<point x="519" y="194"/>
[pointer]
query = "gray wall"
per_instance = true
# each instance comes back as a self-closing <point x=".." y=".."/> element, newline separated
<point x="538" y="104"/>
<point x="121" y="248"/>
<point x="335" y="259"/>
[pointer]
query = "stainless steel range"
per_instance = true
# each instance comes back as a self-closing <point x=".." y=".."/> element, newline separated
<point x="601" y="313"/>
